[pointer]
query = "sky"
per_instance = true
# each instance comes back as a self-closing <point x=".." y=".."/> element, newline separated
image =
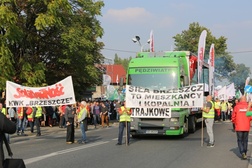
<point x="124" y="19"/>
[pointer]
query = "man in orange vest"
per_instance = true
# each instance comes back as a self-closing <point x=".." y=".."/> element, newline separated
<point x="21" y="121"/>
<point x="29" y="112"/>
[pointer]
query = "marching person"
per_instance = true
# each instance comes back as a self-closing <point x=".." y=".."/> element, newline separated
<point x="217" y="109"/>
<point x="6" y="127"/>
<point x="69" y="117"/>
<point x="104" y="115"/>
<point x="208" y="115"/>
<point x="29" y="112"/>
<point x="242" y="125"/>
<point x="82" y="117"/>
<point x="4" y="111"/>
<point x="20" y="121"/>
<point x="235" y="103"/>
<point x="124" y="113"/>
<point x="96" y="113"/>
<point x="37" y="115"/>
<point x="224" y="108"/>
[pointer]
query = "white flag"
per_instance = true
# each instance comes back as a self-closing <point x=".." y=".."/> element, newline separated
<point x="201" y="51"/>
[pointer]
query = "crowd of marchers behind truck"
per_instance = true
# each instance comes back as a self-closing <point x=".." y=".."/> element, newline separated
<point x="224" y="109"/>
<point x="53" y="116"/>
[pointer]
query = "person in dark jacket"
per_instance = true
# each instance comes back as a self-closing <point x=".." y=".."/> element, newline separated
<point x="242" y="125"/>
<point x="6" y="126"/>
<point x="69" y="117"/>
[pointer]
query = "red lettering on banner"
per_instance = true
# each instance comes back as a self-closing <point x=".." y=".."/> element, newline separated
<point x="44" y="93"/>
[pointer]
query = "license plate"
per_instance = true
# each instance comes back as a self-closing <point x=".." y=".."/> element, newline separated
<point x="151" y="131"/>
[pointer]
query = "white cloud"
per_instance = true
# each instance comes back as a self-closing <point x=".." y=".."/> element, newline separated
<point x="135" y="14"/>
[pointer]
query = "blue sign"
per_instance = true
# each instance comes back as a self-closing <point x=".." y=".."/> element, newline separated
<point x="248" y="89"/>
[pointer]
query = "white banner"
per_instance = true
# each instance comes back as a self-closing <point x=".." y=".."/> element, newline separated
<point x="106" y="80"/>
<point x="222" y="93"/>
<point x="158" y="103"/>
<point x="230" y="90"/>
<point x="61" y="93"/>
<point x="201" y="52"/>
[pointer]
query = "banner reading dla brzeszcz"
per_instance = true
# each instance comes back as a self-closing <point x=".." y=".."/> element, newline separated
<point x="61" y="93"/>
<point x="157" y="103"/>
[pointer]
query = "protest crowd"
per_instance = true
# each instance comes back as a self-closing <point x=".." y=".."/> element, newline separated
<point x="30" y="119"/>
<point x="100" y="113"/>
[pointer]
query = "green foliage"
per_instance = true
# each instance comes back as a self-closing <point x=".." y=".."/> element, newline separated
<point x="188" y="40"/>
<point x="240" y="74"/>
<point x="45" y="41"/>
<point x="124" y="62"/>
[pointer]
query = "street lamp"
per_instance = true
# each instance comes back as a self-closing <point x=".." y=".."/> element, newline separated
<point x="137" y="39"/>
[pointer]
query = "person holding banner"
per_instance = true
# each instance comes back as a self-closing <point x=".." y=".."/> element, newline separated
<point x="208" y="115"/>
<point x="242" y="125"/>
<point x="124" y="113"/>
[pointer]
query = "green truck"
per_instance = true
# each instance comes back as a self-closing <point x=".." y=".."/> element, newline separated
<point x="164" y="70"/>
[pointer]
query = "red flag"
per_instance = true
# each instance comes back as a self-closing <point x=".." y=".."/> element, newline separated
<point x="151" y="41"/>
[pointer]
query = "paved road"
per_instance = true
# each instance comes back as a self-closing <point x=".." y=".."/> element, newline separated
<point x="50" y="150"/>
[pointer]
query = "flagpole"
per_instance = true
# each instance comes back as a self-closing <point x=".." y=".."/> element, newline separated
<point x="202" y="131"/>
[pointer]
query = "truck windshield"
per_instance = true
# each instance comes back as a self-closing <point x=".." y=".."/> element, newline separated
<point x="154" y="81"/>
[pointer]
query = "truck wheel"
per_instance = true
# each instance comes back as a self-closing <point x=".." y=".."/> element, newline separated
<point x="185" y="129"/>
<point x="191" y="124"/>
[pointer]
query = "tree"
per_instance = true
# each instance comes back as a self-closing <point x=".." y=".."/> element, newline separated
<point x="124" y="62"/>
<point x="43" y="42"/>
<point x="189" y="39"/>
<point x="239" y="75"/>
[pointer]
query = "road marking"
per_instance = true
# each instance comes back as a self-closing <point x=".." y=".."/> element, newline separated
<point x="35" y="159"/>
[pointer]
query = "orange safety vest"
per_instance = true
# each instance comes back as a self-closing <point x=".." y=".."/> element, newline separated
<point x="20" y="112"/>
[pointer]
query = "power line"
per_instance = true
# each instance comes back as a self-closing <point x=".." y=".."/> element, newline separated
<point x="237" y="52"/>
<point x="119" y="50"/>
<point x="127" y="51"/>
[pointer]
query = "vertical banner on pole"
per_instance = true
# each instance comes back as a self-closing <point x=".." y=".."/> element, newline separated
<point x="211" y="70"/>
<point x="201" y="51"/>
<point x="151" y="41"/>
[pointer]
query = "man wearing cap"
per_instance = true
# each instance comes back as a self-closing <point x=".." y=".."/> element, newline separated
<point x="82" y="116"/>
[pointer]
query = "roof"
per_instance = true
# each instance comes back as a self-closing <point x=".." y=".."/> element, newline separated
<point x="115" y="72"/>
